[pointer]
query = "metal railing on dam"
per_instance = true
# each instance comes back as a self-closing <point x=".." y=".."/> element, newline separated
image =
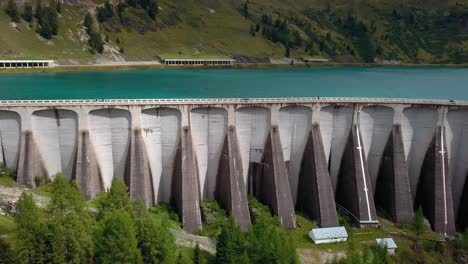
<point x="309" y="153"/>
<point x="211" y="101"/>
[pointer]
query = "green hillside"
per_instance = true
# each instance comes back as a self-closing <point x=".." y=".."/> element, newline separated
<point x="409" y="31"/>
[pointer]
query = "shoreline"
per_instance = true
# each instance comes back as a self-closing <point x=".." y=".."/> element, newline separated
<point x="154" y="66"/>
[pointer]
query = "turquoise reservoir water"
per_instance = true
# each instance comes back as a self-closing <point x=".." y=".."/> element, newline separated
<point x="421" y="83"/>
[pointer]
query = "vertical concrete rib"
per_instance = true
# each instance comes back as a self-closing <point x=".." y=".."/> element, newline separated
<point x="294" y="126"/>
<point x="10" y="131"/>
<point x="186" y="192"/>
<point x="208" y="129"/>
<point x="354" y="188"/>
<point x="56" y="137"/>
<point x="230" y="189"/>
<point x="141" y="186"/>
<point x="161" y="134"/>
<point x="275" y="190"/>
<point x="30" y="163"/>
<point x="87" y="173"/>
<point x="393" y="192"/>
<point x="457" y="152"/>
<point x="335" y="125"/>
<point x="434" y="192"/>
<point x="315" y="194"/>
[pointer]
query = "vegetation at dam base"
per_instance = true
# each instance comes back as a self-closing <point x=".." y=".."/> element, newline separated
<point x="111" y="229"/>
<point x="360" y="31"/>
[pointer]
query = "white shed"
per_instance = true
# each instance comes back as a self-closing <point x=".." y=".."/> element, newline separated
<point x="389" y="243"/>
<point x="328" y="235"/>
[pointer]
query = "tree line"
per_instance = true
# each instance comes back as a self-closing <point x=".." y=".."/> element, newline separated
<point x="65" y="231"/>
<point x="118" y="230"/>
<point x="45" y="15"/>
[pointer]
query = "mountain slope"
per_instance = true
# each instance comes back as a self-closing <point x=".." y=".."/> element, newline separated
<point x="413" y="31"/>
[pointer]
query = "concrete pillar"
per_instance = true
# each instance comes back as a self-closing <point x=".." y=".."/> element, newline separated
<point x="354" y="189"/>
<point x="30" y="163"/>
<point x="139" y="170"/>
<point x="393" y="191"/>
<point x="186" y="190"/>
<point x="275" y="190"/>
<point x="87" y="173"/>
<point x="315" y="194"/>
<point x="231" y="190"/>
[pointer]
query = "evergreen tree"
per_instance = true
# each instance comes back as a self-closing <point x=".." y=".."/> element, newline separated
<point x="12" y="11"/>
<point x="132" y="3"/>
<point x="231" y="243"/>
<point x="28" y="12"/>
<point x="29" y="226"/>
<point x="88" y="23"/>
<point x="117" y="196"/>
<point x="58" y="6"/>
<point x="116" y="240"/>
<point x="70" y="223"/>
<point x="152" y="9"/>
<point x="246" y="10"/>
<point x="105" y="12"/>
<point x="156" y="243"/>
<point x="6" y="253"/>
<point x="120" y="9"/>
<point x="252" y="30"/>
<point x="418" y="222"/>
<point x="197" y="258"/>
<point x="38" y="11"/>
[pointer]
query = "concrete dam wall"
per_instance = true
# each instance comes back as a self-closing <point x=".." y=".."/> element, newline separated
<point x="315" y="155"/>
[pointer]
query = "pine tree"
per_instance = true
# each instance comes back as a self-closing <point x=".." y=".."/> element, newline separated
<point x="70" y="222"/>
<point x="12" y="11"/>
<point x="28" y="12"/>
<point x="38" y="11"/>
<point x="156" y="243"/>
<point x="58" y="7"/>
<point x="152" y="9"/>
<point x="197" y="258"/>
<point x="418" y="222"/>
<point x="116" y="240"/>
<point x="6" y="253"/>
<point x="29" y="223"/>
<point x="231" y="243"/>
<point x="117" y="196"/>
<point x="88" y="22"/>
<point x="246" y="10"/>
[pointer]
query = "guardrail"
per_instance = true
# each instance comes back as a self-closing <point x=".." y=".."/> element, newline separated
<point x="212" y="101"/>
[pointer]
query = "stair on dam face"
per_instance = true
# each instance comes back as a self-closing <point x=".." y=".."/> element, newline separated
<point x="273" y="152"/>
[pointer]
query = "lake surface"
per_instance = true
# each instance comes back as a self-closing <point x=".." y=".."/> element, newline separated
<point x="420" y="83"/>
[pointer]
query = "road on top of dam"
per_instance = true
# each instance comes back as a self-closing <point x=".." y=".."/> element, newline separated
<point x="391" y="82"/>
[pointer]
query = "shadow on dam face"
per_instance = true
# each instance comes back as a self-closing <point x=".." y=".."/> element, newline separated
<point x="208" y="127"/>
<point x="161" y="134"/>
<point x="10" y="134"/>
<point x="56" y="136"/>
<point x="110" y="135"/>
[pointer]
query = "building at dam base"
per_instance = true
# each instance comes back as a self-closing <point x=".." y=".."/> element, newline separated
<point x="306" y="154"/>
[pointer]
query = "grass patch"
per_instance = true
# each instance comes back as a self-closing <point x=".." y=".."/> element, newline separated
<point x="43" y="190"/>
<point x="165" y="213"/>
<point x="213" y="218"/>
